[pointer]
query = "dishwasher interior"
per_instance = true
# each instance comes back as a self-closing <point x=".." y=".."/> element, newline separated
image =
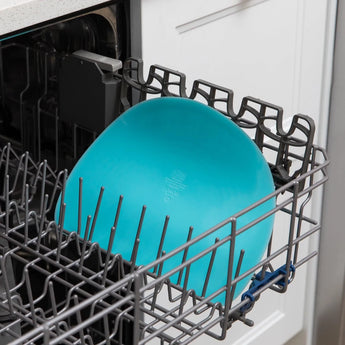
<point x="60" y="287"/>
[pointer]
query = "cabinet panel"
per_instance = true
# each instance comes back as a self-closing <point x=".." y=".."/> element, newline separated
<point x="273" y="50"/>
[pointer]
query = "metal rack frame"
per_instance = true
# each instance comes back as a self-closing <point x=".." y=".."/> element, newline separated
<point x="57" y="287"/>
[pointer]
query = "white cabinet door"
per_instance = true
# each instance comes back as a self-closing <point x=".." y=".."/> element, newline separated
<point x="275" y="50"/>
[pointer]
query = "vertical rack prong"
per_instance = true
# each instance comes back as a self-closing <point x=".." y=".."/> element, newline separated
<point x="80" y="198"/>
<point x="7" y="204"/>
<point x="2" y="152"/>
<point x="26" y="225"/>
<point x="82" y="256"/>
<point x="30" y="296"/>
<point x="269" y="249"/>
<point x="291" y="234"/>
<point x="60" y="231"/>
<point x="42" y="221"/>
<point x="185" y="252"/>
<point x="44" y="176"/>
<point x="53" y="304"/>
<point x="134" y="254"/>
<point x="120" y="266"/>
<point x="237" y="273"/>
<point x="63" y="191"/>
<point x="79" y="319"/>
<point x="184" y="290"/>
<point x="161" y="265"/>
<point x="25" y="173"/>
<point x="137" y="239"/>
<point x="7" y="165"/>
<point x="2" y="160"/>
<point x="158" y="287"/>
<point x="299" y="226"/>
<point x="118" y="328"/>
<point x="56" y="187"/>
<point x="62" y="202"/>
<point x="160" y="247"/>
<point x="106" y="329"/>
<point x="229" y="279"/>
<point x="96" y="214"/>
<point x="111" y="240"/>
<point x="209" y="270"/>
<point x="46" y="336"/>
<point x="6" y="283"/>
<point x="137" y="318"/>
<point x="118" y="211"/>
<point x="107" y="258"/>
<point x="52" y="297"/>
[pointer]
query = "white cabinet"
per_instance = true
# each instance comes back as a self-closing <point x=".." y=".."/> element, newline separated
<point x="276" y="50"/>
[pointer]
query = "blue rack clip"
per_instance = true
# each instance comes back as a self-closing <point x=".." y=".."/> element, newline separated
<point x="258" y="283"/>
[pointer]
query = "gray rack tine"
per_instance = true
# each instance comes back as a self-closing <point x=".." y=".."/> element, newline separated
<point x="158" y="287"/>
<point x="43" y="206"/>
<point x="185" y="253"/>
<point x="107" y="258"/>
<point x="118" y="210"/>
<point x="209" y="270"/>
<point x="96" y="213"/>
<point x="160" y="247"/>
<point x="60" y="230"/>
<point x="86" y="234"/>
<point x="43" y="220"/>
<point x="80" y="204"/>
<point x="137" y="239"/>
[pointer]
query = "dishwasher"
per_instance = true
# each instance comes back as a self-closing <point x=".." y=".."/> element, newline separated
<point x="60" y="287"/>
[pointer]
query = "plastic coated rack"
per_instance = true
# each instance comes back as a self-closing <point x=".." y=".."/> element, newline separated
<point x="58" y="287"/>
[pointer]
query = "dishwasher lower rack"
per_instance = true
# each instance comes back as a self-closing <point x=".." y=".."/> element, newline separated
<point x="59" y="288"/>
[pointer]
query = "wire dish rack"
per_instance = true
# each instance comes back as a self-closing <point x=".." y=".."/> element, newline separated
<point x="57" y="287"/>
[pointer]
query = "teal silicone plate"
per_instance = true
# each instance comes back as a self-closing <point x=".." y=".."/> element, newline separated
<point x="179" y="158"/>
